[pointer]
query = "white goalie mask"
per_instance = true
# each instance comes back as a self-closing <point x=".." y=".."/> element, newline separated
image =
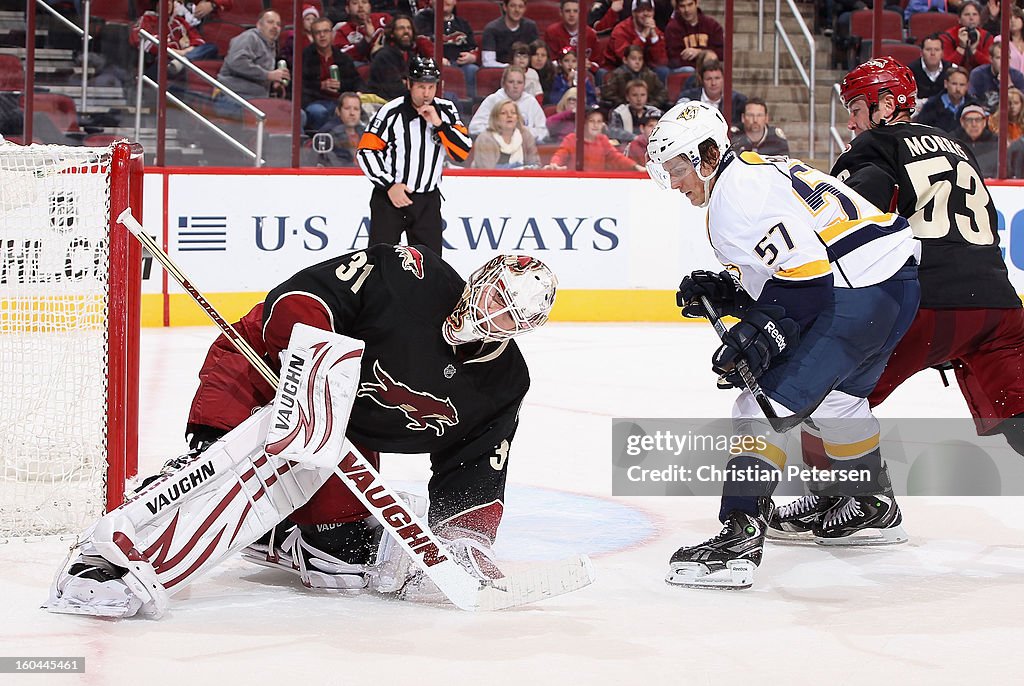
<point x="680" y="131"/>
<point x="507" y="296"/>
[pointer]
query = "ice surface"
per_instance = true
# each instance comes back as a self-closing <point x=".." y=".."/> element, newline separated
<point x="945" y="608"/>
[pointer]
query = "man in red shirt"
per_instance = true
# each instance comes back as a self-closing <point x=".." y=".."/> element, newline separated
<point x="362" y="32"/>
<point x="689" y="34"/>
<point x="563" y="35"/>
<point x="639" y="29"/>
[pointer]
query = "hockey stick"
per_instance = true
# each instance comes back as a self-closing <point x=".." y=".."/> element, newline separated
<point x="779" y="424"/>
<point x="430" y="553"/>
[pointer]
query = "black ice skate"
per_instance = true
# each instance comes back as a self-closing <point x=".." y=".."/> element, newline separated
<point x="795" y="521"/>
<point x="728" y="560"/>
<point x="862" y="520"/>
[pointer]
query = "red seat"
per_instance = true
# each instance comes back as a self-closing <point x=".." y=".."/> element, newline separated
<point x="12" y="74"/>
<point x="111" y="10"/>
<point x="60" y="109"/>
<point x="549" y="110"/>
<point x="676" y="82"/>
<point x="198" y="85"/>
<point x="862" y="23"/>
<point x="597" y="55"/>
<point x="242" y="12"/>
<point x="479" y="13"/>
<point x="278" y="111"/>
<point x="924" y="24"/>
<point x="488" y="80"/>
<point x="454" y="81"/>
<point x="364" y="72"/>
<point x="220" y="34"/>
<point x="286" y="10"/>
<point x="542" y="13"/>
<point x="904" y="53"/>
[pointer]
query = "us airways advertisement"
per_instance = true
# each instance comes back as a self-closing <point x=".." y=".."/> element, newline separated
<point x="618" y="245"/>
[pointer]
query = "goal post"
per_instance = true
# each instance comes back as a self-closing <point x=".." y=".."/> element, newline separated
<point x="70" y="294"/>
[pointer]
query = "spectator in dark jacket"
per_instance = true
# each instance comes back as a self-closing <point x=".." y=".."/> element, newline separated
<point x="975" y="134"/>
<point x="390" y="64"/>
<point x="319" y="88"/>
<point x="983" y="84"/>
<point x="500" y="34"/>
<point x="757" y="135"/>
<point x="713" y="89"/>
<point x="460" y="48"/>
<point x="613" y="90"/>
<point x="346" y="128"/>
<point x="930" y="70"/>
<point x="943" y="111"/>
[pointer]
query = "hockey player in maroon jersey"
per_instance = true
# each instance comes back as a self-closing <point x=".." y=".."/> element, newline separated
<point x="970" y="315"/>
<point x="439" y="374"/>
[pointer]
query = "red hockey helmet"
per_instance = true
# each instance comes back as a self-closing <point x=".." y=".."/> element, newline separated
<point x="877" y="75"/>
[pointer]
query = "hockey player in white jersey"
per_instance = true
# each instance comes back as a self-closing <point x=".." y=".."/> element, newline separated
<point x="824" y="285"/>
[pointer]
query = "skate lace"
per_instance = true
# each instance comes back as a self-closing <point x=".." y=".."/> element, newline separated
<point x="844" y="514"/>
<point x="799" y="507"/>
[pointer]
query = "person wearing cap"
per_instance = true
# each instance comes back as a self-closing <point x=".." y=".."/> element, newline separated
<point x="641" y="30"/>
<point x="402" y="154"/>
<point x="975" y="134"/>
<point x="320" y="88"/>
<point x="310" y="13"/>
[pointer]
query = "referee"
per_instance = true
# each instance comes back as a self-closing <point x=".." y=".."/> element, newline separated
<point x="401" y="153"/>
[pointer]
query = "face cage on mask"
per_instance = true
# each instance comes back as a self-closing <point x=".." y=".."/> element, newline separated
<point x="483" y="324"/>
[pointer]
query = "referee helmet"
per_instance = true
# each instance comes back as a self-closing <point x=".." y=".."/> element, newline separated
<point x="424" y="70"/>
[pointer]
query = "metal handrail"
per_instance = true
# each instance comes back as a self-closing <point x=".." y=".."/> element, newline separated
<point x="806" y="75"/>
<point x="760" y="25"/>
<point x="83" y="34"/>
<point x="260" y="115"/>
<point x="835" y="136"/>
<point x="207" y="123"/>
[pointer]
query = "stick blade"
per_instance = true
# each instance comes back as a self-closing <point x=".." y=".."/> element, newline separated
<point x="529" y="585"/>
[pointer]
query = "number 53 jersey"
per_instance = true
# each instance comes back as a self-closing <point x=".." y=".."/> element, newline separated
<point x="778" y="218"/>
<point x="949" y="208"/>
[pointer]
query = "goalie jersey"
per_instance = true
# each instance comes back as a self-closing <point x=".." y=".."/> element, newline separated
<point x="795" y="224"/>
<point x="942" y="195"/>
<point x="417" y="393"/>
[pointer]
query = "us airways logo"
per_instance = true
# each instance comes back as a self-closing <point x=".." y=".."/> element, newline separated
<point x="202" y="234"/>
<point x="412" y="260"/>
<point x="272" y="233"/>
<point x="423" y="410"/>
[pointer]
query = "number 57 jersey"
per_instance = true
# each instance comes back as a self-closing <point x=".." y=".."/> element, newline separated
<point x="778" y="218"/>
<point x="949" y="208"/>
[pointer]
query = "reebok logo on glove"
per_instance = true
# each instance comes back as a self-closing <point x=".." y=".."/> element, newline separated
<point x="777" y="336"/>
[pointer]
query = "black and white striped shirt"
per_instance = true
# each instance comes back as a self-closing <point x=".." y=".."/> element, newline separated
<point x="400" y="146"/>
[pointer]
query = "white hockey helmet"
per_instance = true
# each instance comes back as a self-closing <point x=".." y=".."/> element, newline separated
<point x="680" y="131"/>
<point x="507" y="296"/>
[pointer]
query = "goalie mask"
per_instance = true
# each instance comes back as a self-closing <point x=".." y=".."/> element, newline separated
<point x="681" y="131"/>
<point x="507" y="296"/>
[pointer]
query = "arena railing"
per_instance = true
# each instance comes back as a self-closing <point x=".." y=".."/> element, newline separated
<point x="807" y="75"/>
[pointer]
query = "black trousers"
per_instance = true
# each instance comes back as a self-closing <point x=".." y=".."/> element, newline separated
<point x="421" y="220"/>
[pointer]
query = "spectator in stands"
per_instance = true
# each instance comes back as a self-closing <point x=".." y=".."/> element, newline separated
<point x="564" y="34"/>
<point x="521" y="58"/>
<point x="640" y="30"/>
<point x="393" y="7"/>
<point x="929" y="71"/>
<point x="346" y="128"/>
<point x="1016" y="116"/>
<point x="319" y="90"/>
<point x="975" y="134"/>
<point x="1015" y="159"/>
<point x="566" y="78"/>
<point x="310" y="13"/>
<point x="757" y="134"/>
<point x="182" y="39"/>
<point x="363" y="32"/>
<point x="200" y="12"/>
<point x="689" y="34"/>
<point x="563" y="121"/>
<point x="613" y="90"/>
<point x="513" y="84"/>
<point x="460" y="48"/>
<point x="336" y="10"/>
<point x="500" y="34"/>
<point x="917" y="6"/>
<point x="983" y="84"/>
<point x="390" y="63"/>
<point x="967" y="44"/>
<point x="250" y="69"/>
<point x="637" y="150"/>
<point x="598" y="152"/>
<point x="712" y="91"/>
<point x="943" y="111"/>
<point x="540" y="62"/>
<point x="624" y="121"/>
<point x="990" y="20"/>
<point x="1016" y="39"/>
<point x="605" y="15"/>
<point x="506" y="144"/>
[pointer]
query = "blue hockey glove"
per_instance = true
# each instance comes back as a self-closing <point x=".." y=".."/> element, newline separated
<point x="723" y="290"/>
<point x="760" y="337"/>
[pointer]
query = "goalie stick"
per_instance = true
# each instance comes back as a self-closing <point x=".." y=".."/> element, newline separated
<point x="779" y="424"/>
<point x="428" y="552"/>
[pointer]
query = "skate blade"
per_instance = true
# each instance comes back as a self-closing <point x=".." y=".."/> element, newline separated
<point x="67" y="607"/>
<point x="738" y="574"/>
<point x="790" y="537"/>
<point x="869" y="537"/>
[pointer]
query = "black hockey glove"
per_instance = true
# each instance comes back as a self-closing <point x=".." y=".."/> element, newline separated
<point x="760" y="337"/>
<point x="723" y="290"/>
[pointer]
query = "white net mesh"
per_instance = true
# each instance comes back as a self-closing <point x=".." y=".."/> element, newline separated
<point x="54" y="223"/>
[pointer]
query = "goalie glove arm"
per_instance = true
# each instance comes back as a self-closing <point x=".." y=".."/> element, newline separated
<point x="290" y="309"/>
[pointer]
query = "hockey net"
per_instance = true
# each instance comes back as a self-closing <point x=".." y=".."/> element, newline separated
<point x="69" y="299"/>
